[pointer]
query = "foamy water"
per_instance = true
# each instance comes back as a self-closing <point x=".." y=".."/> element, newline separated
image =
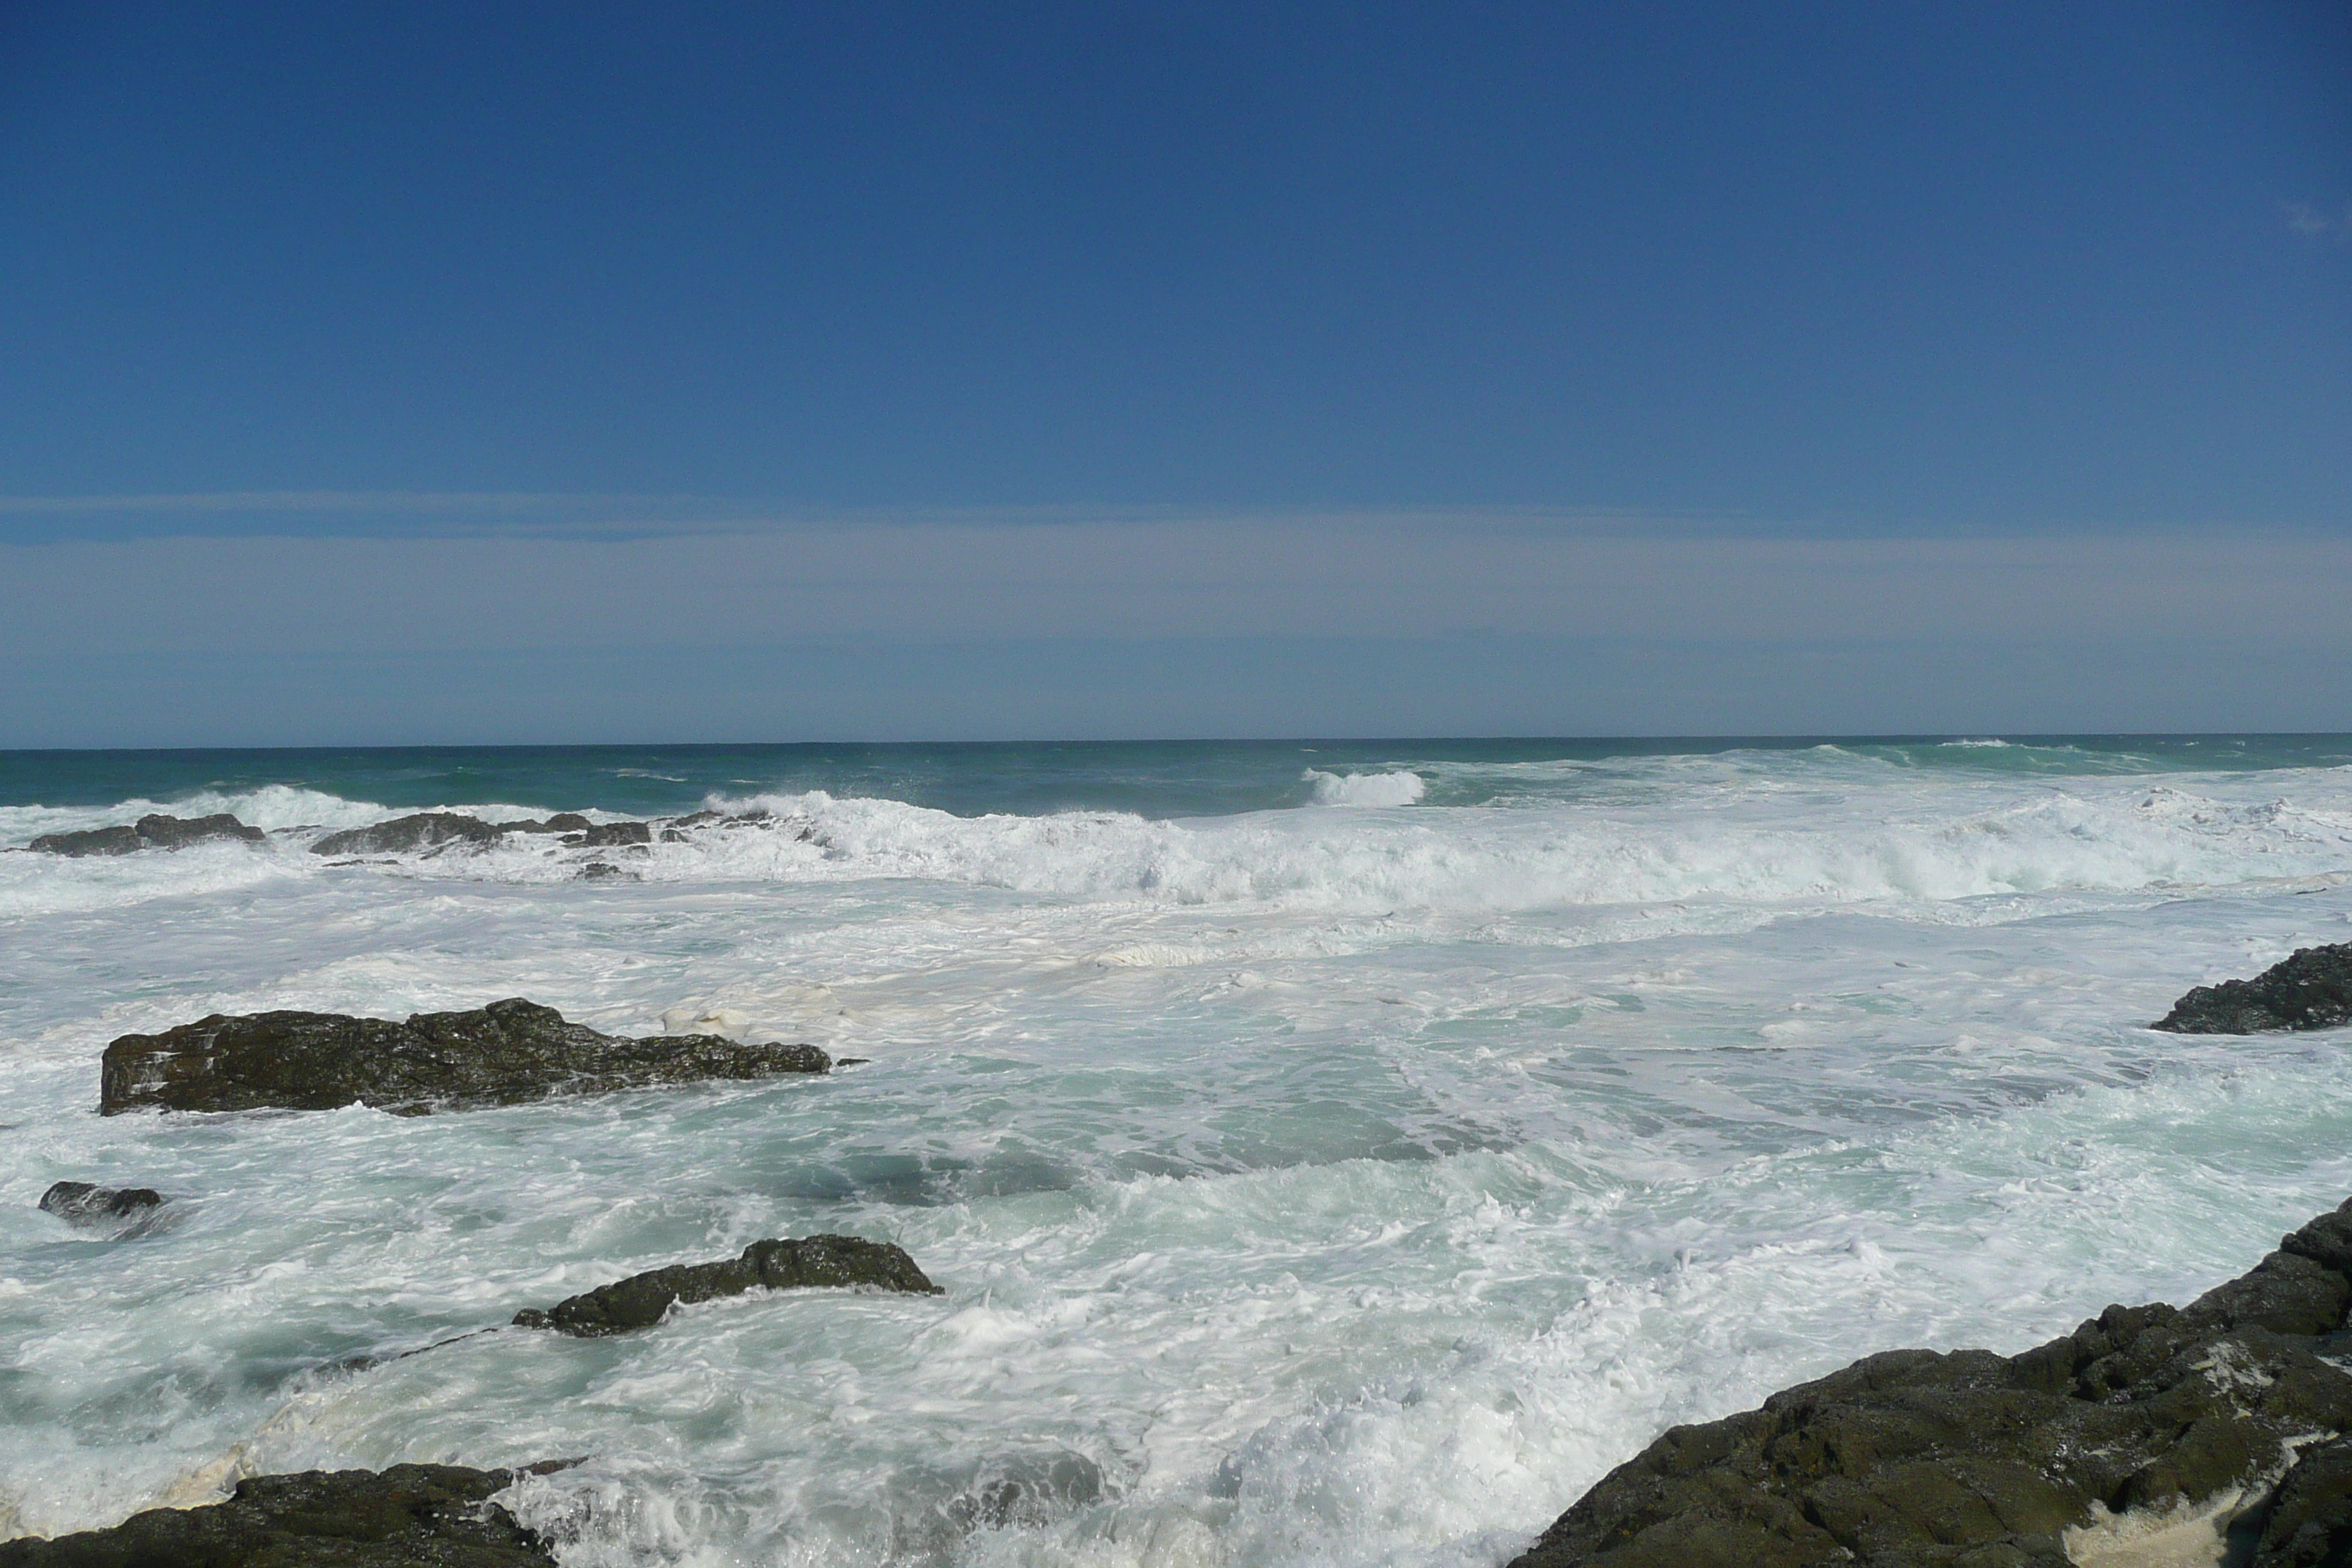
<point x="1349" y="1179"/>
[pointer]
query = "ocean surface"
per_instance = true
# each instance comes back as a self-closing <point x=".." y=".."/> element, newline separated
<point x="1333" y="1153"/>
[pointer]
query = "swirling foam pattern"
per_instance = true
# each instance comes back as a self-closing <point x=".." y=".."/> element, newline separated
<point x="1349" y="1180"/>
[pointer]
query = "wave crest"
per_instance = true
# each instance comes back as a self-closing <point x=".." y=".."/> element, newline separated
<point x="1400" y="788"/>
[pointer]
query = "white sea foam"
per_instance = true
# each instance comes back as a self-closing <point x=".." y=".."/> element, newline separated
<point x="1399" y="788"/>
<point x="1309" y="1187"/>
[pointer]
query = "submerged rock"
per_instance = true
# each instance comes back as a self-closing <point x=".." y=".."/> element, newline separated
<point x="153" y="831"/>
<point x="1914" y="1458"/>
<point x="2310" y="990"/>
<point x="505" y="1054"/>
<point x="644" y="1300"/>
<point x="79" y="1202"/>
<point x="410" y="1516"/>
<point x="424" y="830"/>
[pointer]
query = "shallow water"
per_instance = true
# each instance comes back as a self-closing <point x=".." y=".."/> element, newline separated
<point x="1332" y="1153"/>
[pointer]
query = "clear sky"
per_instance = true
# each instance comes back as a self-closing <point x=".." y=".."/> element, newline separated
<point x="574" y="372"/>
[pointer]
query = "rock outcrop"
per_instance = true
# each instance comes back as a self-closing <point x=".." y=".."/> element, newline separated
<point x="153" y="831"/>
<point x="644" y="1300"/>
<point x="424" y="830"/>
<point x="1917" y="1459"/>
<point x="507" y="1053"/>
<point x="609" y="834"/>
<point x="2310" y="990"/>
<point x="81" y="1203"/>
<point x="410" y="1516"/>
<point x="433" y="829"/>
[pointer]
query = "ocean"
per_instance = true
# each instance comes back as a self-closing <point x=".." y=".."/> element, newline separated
<point x="1333" y="1153"/>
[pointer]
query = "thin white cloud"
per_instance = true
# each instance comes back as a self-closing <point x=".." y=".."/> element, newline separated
<point x="2306" y="219"/>
<point x="1313" y="578"/>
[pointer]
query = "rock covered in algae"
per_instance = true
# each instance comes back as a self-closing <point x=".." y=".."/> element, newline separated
<point x="507" y="1053"/>
<point x="410" y="1516"/>
<point x="2311" y="989"/>
<point x="1917" y="1459"/>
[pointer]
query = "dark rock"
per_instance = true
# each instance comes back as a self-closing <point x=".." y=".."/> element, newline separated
<point x="424" y="830"/>
<point x="2310" y="990"/>
<point x="505" y="1054"/>
<point x="602" y="871"/>
<point x="90" y="841"/>
<point x="707" y="818"/>
<point x="562" y="822"/>
<point x="79" y="1202"/>
<point x="410" y="1516"/>
<point x="2309" y="1524"/>
<point x="608" y="835"/>
<point x="1913" y="1459"/>
<point x="153" y="831"/>
<point x="644" y="1300"/>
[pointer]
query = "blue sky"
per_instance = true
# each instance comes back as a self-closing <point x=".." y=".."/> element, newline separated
<point x="1394" y="370"/>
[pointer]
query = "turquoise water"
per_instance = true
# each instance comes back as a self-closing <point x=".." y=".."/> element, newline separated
<point x="1156" y="779"/>
<point x="1333" y="1153"/>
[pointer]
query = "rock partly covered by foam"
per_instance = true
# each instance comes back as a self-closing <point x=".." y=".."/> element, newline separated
<point x="153" y="831"/>
<point x="644" y="1300"/>
<point x="2310" y="990"/>
<point x="1914" y="1458"/>
<point x="82" y="1202"/>
<point x="410" y="1516"/>
<point x="505" y="1054"/>
<point x="423" y="830"/>
<point x="434" y="829"/>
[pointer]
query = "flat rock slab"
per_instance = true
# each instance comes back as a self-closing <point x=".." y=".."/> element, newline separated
<point x="644" y="1300"/>
<point x="81" y="1203"/>
<point x="1917" y="1459"/>
<point x="509" y="1053"/>
<point x="153" y="831"/>
<point x="410" y="1516"/>
<point x="2310" y="990"/>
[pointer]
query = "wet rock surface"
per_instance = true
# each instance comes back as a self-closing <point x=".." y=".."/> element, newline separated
<point x="81" y="1203"/>
<point x="609" y="834"/>
<point x="644" y="1300"/>
<point x="153" y="831"/>
<point x="509" y="1053"/>
<point x="439" y="1515"/>
<point x="2310" y="990"/>
<point x="424" y="830"/>
<point x="1919" y="1459"/>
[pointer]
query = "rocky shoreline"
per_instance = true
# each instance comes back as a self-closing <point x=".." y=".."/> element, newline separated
<point x="2152" y="1436"/>
<point x="425" y="831"/>
<point x="2239" y="1404"/>
<point x="2228" y="1420"/>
